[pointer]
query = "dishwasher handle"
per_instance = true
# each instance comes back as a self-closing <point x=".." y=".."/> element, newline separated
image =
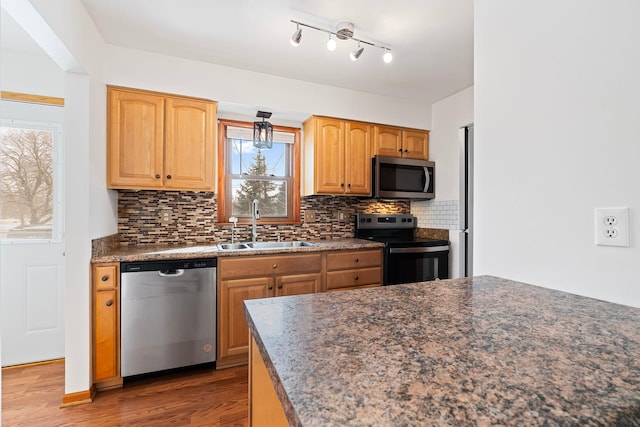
<point x="171" y="273"/>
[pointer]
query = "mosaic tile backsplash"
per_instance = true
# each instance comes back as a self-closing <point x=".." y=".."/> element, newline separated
<point x="194" y="216"/>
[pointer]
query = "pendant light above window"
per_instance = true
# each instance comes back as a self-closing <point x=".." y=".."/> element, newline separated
<point x="263" y="131"/>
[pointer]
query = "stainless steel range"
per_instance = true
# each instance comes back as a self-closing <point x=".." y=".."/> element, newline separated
<point x="407" y="259"/>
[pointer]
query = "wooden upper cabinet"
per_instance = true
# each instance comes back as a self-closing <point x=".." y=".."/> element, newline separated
<point x="329" y="156"/>
<point x="159" y="141"/>
<point x="358" y="158"/>
<point x="388" y="141"/>
<point x="189" y="143"/>
<point x="415" y="144"/>
<point x="135" y="140"/>
<point x="339" y="154"/>
<point x="398" y="142"/>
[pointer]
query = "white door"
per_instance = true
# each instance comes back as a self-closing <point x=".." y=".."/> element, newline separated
<point x="31" y="232"/>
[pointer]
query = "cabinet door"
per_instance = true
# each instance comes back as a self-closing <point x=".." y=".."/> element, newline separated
<point x="233" y="331"/>
<point x="358" y="159"/>
<point x="415" y="144"/>
<point x="105" y="324"/>
<point x="329" y="157"/>
<point x="134" y="140"/>
<point x="189" y="139"/>
<point x="388" y="141"/>
<point x="298" y="284"/>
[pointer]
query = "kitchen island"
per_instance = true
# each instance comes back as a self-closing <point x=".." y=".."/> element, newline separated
<point x="479" y="351"/>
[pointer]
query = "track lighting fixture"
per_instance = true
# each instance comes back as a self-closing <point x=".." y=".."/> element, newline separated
<point x="344" y="31"/>
<point x="331" y="44"/>
<point x="296" y="37"/>
<point x="355" y="54"/>
<point x="387" y="57"/>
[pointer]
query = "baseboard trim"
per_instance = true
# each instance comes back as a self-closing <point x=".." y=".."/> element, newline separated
<point x="78" y="398"/>
<point x="26" y="365"/>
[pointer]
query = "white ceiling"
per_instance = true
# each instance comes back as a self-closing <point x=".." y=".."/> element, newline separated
<point x="431" y="40"/>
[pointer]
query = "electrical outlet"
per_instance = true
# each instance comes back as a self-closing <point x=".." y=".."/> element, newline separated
<point x="612" y="226"/>
<point x="309" y="216"/>
<point x="165" y="216"/>
<point x="340" y="216"/>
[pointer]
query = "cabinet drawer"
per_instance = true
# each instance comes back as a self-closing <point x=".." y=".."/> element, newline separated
<point x="268" y="265"/>
<point x="105" y="277"/>
<point x="354" y="278"/>
<point x="355" y="259"/>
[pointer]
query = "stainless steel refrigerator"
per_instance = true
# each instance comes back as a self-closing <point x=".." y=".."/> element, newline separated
<point x="465" y="233"/>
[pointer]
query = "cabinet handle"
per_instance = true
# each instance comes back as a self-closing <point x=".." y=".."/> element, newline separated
<point x="157" y="176"/>
<point x="357" y="259"/>
<point x="356" y="278"/>
<point x="104" y="278"/>
<point x="168" y="176"/>
<point x="274" y="266"/>
<point x="109" y="303"/>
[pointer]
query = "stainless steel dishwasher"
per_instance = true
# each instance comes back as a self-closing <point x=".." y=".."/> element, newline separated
<point x="168" y="315"/>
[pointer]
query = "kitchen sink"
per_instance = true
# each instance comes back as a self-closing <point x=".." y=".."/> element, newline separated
<point x="263" y="245"/>
<point x="278" y="245"/>
<point x="232" y="246"/>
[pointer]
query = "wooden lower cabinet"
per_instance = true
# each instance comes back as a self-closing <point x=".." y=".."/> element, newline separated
<point x="265" y="408"/>
<point x="233" y="331"/>
<point x="106" y="325"/>
<point x="245" y="278"/>
<point x="353" y="269"/>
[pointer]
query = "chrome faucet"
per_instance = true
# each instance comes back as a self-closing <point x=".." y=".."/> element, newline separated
<point x="233" y="220"/>
<point x="255" y="215"/>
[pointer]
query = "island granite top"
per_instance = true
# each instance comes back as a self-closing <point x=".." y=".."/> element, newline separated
<point x="480" y="351"/>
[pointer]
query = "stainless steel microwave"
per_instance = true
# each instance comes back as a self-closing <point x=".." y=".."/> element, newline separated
<point x="397" y="178"/>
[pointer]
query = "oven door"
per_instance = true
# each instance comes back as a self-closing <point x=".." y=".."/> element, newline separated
<point x="415" y="264"/>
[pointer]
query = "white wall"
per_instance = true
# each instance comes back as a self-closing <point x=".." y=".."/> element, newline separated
<point x="145" y="70"/>
<point x="556" y="135"/>
<point x="32" y="74"/>
<point x="448" y="116"/>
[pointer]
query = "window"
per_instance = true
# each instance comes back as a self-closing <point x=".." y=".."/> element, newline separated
<point x="29" y="197"/>
<point x="269" y="175"/>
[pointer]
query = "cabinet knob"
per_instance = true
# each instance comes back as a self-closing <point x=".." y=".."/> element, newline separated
<point x="168" y="176"/>
<point x="342" y="184"/>
<point x="270" y="287"/>
<point x="349" y="185"/>
<point x="104" y="278"/>
<point x="280" y="286"/>
<point x="109" y="303"/>
<point x="400" y="150"/>
<point x="356" y="278"/>
<point x="157" y="176"/>
<point x="274" y="266"/>
<point x="406" y="151"/>
<point x="357" y="259"/>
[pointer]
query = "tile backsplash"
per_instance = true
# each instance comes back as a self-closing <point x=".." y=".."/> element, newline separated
<point x="442" y="214"/>
<point x="194" y="216"/>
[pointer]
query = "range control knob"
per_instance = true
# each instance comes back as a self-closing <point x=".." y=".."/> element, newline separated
<point x="368" y="219"/>
<point x="404" y="219"/>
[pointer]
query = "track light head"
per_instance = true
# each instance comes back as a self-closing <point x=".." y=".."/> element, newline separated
<point x="331" y="44"/>
<point x="296" y="37"/>
<point x="387" y="57"/>
<point x="356" y="53"/>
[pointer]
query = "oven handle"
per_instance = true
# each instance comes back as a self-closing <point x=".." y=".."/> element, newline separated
<point x="418" y="250"/>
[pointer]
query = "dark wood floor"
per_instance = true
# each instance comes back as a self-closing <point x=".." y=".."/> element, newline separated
<point x="31" y="396"/>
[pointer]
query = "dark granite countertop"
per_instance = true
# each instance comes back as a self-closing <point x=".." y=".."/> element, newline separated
<point x="165" y="252"/>
<point x="481" y="351"/>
